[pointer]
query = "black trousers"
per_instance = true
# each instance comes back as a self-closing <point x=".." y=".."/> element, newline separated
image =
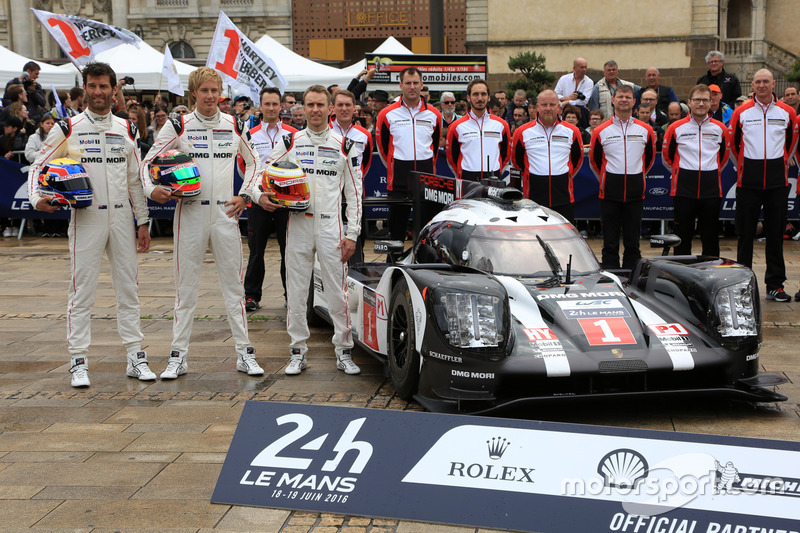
<point x="625" y="218"/>
<point x="260" y="225"/>
<point x="748" y="208"/>
<point x="401" y="188"/>
<point x="706" y="211"/>
<point x="567" y="211"/>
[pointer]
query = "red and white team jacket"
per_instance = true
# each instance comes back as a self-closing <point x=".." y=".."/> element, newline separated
<point x="696" y="152"/>
<point x="621" y="153"/>
<point x="548" y="159"/>
<point x="407" y="134"/>
<point x="265" y="138"/>
<point x="764" y="139"/>
<point x="362" y="142"/>
<point x="478" y="144"/>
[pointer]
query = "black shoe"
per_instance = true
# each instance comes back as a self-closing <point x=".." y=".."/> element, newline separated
<point x="797" y="296"/>
<point x="251" y="305"/>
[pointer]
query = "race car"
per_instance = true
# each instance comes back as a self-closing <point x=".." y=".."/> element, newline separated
<point x="500" y="302"/>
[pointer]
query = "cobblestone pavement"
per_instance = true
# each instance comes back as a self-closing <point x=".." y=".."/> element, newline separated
<point x="125" y="455"/>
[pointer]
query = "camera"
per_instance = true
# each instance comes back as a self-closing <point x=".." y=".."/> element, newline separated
<point x="127" y="80"/>
<point x="581" y="96"/>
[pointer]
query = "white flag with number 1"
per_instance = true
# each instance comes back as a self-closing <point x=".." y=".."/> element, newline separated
<point x="241" y="63"/>
<point x="171" y="73"/>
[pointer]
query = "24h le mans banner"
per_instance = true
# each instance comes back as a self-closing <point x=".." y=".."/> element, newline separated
<point x="81" y="38"/>
<point x="243" y="65"/>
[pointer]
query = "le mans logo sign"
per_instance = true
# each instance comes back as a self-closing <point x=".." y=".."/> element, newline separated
<point x="508" y="474"/>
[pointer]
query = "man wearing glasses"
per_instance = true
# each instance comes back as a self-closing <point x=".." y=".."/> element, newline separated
<point x="449" y="115"/>
<point x="288" y="101"/>
<point x="716" y="75"/>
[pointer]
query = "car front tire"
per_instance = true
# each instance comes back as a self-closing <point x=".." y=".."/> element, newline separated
<point x="403" y="357"/>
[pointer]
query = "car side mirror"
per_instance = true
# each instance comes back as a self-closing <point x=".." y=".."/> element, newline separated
<point x="664" y="241"/>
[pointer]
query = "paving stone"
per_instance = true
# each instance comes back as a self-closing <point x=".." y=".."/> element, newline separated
<point x="101" y="474"/>
<point x="25" y="513"/>
<point x="133" y="514"/>
<point x="62" y="442"/>
<point x="72" y="492"/>
<point x="191" y="481"/>
<point x="252" y="519"/>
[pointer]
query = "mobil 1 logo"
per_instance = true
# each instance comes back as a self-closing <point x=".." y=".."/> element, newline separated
<point x="294" y="458"/>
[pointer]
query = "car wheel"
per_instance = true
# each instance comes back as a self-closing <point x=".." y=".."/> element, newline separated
<point x="312" y="318"/>
<point x="403" y="357"/>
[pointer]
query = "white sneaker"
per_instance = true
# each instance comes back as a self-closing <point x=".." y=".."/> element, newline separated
<point x="138" y="367"/>
<point x="8" y="232"/>
<point x="345" y="362"/>
<point x="246" y="362"/>
<point x="297" y="363"/>
<point x="176" y="366"/>
<point x="79" y="368"/>
<point x="796" y="236"/>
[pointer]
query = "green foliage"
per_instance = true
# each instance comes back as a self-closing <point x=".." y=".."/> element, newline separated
<point x="533" y="68"/>
<point x="794" y="74"/>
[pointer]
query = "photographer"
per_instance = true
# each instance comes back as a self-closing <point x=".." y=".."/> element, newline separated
<point x="575" y="89"/>
<point x="241" y="108"/>
<point x="36" y="101"/>
<point x="119" y="94"/>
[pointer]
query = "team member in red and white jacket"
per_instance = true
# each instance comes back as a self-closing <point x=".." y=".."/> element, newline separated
<point x="260" y="222"/>
<point x="407" y="133"/>
<point x="696" y="148"/>
<point x="478" y="144"/>
<point x="621" y="152"/>
<point x="764" y="139"/>
<point x="549" y="152"/>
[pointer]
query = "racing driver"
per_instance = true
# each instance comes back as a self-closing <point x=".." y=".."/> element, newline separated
<point x="106" y="147"/>
<point x="327" y="158"/>
<point x="212" y="139"/>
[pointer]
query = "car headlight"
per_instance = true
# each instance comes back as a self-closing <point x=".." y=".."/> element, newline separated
<point x="469" y="319"/>
<point x="736" y="310"/>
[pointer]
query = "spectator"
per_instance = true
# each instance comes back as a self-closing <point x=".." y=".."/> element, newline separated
<point x="358" y="86"/>
<point x="792" y="99"/>
<point x="36" y="140"/>
<point x="76" y="99"/>
<point x="520" y="119"/>
<point x="65" y="110"/>
<point x="674" y="113"/>
<point x="664" y="94"/>
<point x="548" y="152"/>
<point x="224" y="104"/>
<point x="35" y="94"/>
<point x="160" y="117"/>
<point x="20" y="110"/>
<point x="495" y="108"/>
<point x="571" y="114"/>
<point x="503" y="101"/>
<point x="595" y="119"/>
<point x="298" y="117"/>
<point x="407" y="132"/>
<point x="716" y="75"/>
<point x="179" y="110"/>
<point x="461" y="108"/>
<point x="719" y="109"/>
<point x="241" y="108"/>
<point x="448" y="106"/>
<point x="576" y="88"/>
<point x="696" y="149"/>
<point x="739" y="101"/>
<point x="13" y="140"/>
<point x="285" y="115"/>
<point x="380" y="99"/>
<point x="621" y="153"/>
<point x="425" y="93"/>
<point x="657" y="117"/>
<point x="136" y="115"/>
<point x="764" y="138"/>
<point x="288" y="101"/>
<point x="605" y="89"/>
<point x="531" y="110"/>
<point x="520" y="101"/>
<point x="15" y="93"/>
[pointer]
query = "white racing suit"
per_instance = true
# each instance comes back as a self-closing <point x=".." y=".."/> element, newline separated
<point x="213" y="144"/>
<point x="106" y="146"/>
<point x="332" y="167"/>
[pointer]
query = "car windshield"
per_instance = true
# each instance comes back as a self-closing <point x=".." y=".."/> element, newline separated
<point x="515" y="251"/>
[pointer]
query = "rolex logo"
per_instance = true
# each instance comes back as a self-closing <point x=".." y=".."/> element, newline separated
<point x="497" y="447"/>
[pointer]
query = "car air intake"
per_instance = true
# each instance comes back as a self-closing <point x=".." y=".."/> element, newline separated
<point x="623" y="365"/>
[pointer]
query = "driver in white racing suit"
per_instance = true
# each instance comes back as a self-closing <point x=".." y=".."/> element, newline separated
<point x="106" y="147"/>
<point x="212" y="139"/>
<point x="332" y="166"/>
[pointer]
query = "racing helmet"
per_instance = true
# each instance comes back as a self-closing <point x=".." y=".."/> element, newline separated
<point x="177" y="172"/>
<point x="289" y="183"/>
<point x="65" y="182"/>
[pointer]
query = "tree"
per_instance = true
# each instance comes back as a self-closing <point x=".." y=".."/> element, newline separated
<point x="535" y="78"/>
<point x="794" y="74"/>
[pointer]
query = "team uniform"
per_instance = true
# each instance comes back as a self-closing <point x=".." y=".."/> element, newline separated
<point x="106" y="147"/>
<point x="332" y="169"/>
<point x="261" y="223"/>
<point x="696" y="152"/>
<point x="621" y="153"/>
<point x="764" y="139"/>
<point x="478" y="148"/>
<point x="213" y="143"/>
<point x="548" y="159"/>
<point x="408" y="140"/>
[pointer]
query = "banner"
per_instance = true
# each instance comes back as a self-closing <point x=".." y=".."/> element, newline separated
<point x="522" y="475"/>
<point x="449" y="72"/>
<point x="169" y="71"/>
<point x="81" y="39"/>
<point x="241" y="63"/>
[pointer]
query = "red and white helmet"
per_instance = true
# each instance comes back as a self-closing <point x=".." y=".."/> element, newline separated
<point x="289" y="183"/>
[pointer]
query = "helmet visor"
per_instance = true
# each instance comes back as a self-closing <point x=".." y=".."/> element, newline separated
<point x="183" y="175"/>
<point x="294" y="188"/>
<point x="69" y="178"/>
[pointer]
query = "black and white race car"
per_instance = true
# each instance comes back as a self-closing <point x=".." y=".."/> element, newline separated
<point x="502" y="302"/>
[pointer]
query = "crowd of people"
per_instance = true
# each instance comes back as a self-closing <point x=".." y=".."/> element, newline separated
<point x="331" y="133"/>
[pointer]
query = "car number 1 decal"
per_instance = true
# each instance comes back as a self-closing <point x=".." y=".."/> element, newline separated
<point x="605" y="331"/>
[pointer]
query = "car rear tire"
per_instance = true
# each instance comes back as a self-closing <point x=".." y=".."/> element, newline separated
<point x="403" y="357"/>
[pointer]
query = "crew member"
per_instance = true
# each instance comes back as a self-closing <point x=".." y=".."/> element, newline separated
<point x="333" y="170"/>
<point x="696" y="148"/>
<point x="478" y="144"/>
<point x="212" y="139"/>
<point x="549" y="152"/>
<point x="407" y="133"/>
<point x="107" y="224"/>
<point x="621" y="153"/>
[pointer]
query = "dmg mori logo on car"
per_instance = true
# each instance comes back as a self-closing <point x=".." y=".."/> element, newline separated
<point x="302" y="460"/>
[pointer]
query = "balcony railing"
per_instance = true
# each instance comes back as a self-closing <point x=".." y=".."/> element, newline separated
<point x="172" y="3"/>
<point x="737" y="47"/>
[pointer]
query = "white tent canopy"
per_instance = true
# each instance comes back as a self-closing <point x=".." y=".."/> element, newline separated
<point x="299" y="71"/>
<point x="389" y="46"/>
<point x="11" y="67"/>
<point x="143" y="64"/>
